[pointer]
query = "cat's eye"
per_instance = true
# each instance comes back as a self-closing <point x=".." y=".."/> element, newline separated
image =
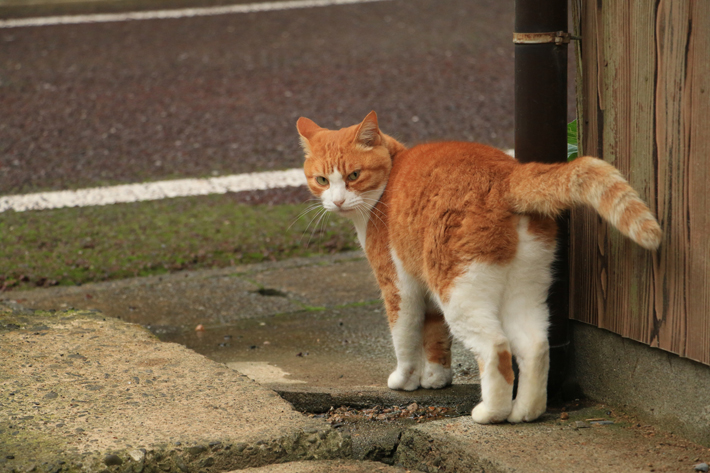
<point x="322" y="180"/>
<point x="353" y="175"/>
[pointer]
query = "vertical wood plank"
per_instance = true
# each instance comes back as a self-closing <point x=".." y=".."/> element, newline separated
<point x="669" y="321"/>
<point x="583" y="223"/>
<point x="615" y="75"/>
<point x="697" y="111"/>
<point x="628" y="144"/>
<point x="641" y="167"/>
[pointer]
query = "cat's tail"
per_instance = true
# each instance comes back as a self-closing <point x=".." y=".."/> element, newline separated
<point x="549" y="189"/>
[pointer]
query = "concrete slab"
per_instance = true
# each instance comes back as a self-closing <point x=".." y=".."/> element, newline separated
<point x="340" y="466"/>
<point x="325" y="285"/>
<point x="312" y="329"/>
<point x="210" y="297"/>
<point x="169" y="302"/>
<point x="575" y="444"/>
<point x="81" y="391"/>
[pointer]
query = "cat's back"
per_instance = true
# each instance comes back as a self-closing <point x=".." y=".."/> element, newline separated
<point x="453" y="166"/>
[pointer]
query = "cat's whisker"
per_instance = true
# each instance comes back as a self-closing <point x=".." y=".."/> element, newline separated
<point x="309" y="209"/>
<point x="323" y="222"/>
<point x="365" y="209"/>
<point x="318" y="215"/>
<point x="326" y="221"/>
<point x="379" y="218"/>
<point x="376" y="201"/>
<point x="315" y="227"/>
<point x="303" y="214"/>
<point x="375" y="209"/>
<point x="363" y="213"/>
<point x="373" y="200"/>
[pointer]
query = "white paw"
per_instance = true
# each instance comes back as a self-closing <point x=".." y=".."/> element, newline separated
<point x="436" y="376"/>
<point x="524" y="412"/>
<point x="482" y="415"/>
<point x="404" y="380"/>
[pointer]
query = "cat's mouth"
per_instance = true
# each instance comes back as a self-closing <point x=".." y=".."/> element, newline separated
<point x="342" y="211"/>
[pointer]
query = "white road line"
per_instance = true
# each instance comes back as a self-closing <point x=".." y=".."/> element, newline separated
<point x="153" y="191"/>
<point x="181" y="13"/>
<point x="157" y="190"/>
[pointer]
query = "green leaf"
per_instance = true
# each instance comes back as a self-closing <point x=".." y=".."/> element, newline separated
<point x="572" y="148"/>
<point x="572" y="152"/>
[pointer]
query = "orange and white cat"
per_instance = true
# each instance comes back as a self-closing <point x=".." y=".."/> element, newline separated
<point x="461" y="238"/>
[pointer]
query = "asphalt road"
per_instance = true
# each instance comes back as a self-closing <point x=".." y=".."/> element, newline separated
<point x="109" y="103"/>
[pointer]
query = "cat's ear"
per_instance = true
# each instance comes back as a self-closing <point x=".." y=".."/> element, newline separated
<point x="307" y="128"/>
<point x="368" y="133"/>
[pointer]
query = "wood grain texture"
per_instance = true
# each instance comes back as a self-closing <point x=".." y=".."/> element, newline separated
<point x="645" y="96"/>
<point x="583" y="223"/>
<point x="697" y="112"/>
<point x="669" y="329"/>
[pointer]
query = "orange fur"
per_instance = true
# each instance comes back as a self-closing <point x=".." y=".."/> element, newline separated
<point x="544" y="228"/>
<point x="449" y="226"/>
<point x="505" y="366"/>
<point x="437" y="341"/>
<point x="442" y="210"/>
<point x="452" y="203"/>
<point x="550" y="188"/>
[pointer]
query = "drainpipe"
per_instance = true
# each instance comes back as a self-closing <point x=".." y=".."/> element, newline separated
<point x="541" y="135"/>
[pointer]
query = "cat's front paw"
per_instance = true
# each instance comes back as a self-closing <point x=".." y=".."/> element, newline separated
<point x="402" y="380"/>
<point x="435" y="376"/>
<point x="526" y="412"/>
<point x="482" y="415"/>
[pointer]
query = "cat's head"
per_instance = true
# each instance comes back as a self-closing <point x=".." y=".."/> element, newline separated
<point x="347" y="168"/>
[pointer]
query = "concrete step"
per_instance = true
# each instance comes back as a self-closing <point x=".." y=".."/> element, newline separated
<point x="617" y="444"/>
<point x="80" y="391"/>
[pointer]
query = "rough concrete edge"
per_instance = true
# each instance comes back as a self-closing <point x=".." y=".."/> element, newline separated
<point x="319" y="400"/>
<point x="657" y="386"/>
<point x="304" y="445"/>
<point x="422" y="452"/>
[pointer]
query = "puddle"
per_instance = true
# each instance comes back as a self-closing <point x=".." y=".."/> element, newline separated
<point x="262" y="372"/>
<point x="333" y="348"/>
<point x="347" y="349"/>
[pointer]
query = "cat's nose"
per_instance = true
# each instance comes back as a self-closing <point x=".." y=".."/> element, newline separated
<point x="339" y="203"/>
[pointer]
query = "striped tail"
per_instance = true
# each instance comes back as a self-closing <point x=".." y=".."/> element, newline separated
<point x="549" y="189"/>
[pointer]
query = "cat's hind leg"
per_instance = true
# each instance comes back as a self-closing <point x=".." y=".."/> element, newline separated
<point x="436" y="371"/>
<point x="525" y="315"/>
<point x="471" y="310"/>
<point x="529" y="343"/>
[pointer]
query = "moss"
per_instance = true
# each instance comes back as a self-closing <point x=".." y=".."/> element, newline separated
<point x="79" y="245"/>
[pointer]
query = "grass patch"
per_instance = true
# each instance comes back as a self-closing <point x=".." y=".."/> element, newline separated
<point x="79" y="245"/>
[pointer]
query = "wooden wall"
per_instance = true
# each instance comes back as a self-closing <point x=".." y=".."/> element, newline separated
<point x="644" y="105"/>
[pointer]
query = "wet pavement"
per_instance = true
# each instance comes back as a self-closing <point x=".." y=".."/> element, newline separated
<point x="313" y="329"/>
<point x="81" y="390"/>
<point x="94" y="104"/>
